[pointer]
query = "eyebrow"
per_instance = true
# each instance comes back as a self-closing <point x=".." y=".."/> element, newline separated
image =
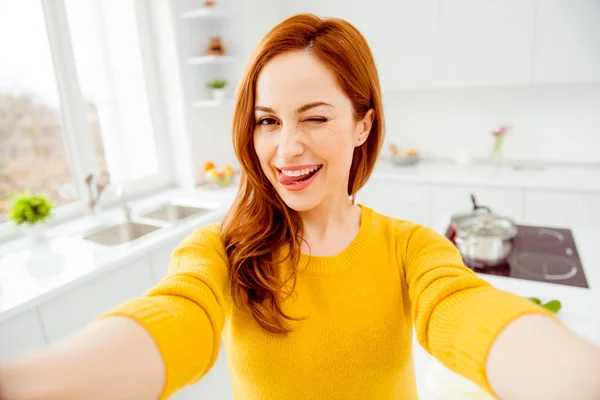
<point x="298" y="110"/>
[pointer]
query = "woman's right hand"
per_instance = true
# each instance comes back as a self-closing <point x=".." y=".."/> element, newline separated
<point x="113" y="358"/>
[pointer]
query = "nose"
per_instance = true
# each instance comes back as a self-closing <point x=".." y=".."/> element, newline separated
<point x="290" y="142"/>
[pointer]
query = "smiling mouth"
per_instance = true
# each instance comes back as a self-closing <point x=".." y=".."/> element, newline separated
<point x="288" y="177"/>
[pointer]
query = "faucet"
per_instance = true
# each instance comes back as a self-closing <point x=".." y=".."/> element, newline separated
<point x="123" y="202"/>
<point x="94" y="195"/>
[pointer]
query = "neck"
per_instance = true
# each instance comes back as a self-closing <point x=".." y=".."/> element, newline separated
<point x="331" y="225"/>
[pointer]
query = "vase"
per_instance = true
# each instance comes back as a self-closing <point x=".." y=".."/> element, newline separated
<point x="496" y="158"/>
<point x="35" y="234"/>
<point x="218" y="95"/>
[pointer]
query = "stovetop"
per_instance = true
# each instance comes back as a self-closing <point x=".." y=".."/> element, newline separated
<point x="541" y="254"/>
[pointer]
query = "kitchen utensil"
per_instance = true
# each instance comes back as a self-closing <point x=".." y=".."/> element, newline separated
<point x="485" y="240"/>
<point x="477" y="210"/>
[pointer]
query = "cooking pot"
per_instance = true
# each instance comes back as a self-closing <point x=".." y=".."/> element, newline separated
<point x="483" y="238"/>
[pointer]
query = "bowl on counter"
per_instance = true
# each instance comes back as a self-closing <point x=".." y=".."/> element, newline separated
<point x="404" y="156"/>
<point x="403" y="160"/>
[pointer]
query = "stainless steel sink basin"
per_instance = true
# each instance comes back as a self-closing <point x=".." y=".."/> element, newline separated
<point x="122" y="233"/>
<point x="175" y="212"/>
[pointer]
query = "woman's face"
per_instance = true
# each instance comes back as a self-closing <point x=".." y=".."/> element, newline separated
<point x="306" y="130"/>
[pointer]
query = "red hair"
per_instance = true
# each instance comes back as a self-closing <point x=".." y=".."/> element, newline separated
<point x="259" y="223"/>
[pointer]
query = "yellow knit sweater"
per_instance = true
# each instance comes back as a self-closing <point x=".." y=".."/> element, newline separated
<point x="361" y="305"/>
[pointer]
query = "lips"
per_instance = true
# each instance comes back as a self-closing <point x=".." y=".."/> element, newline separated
<point x="298" y="177"/>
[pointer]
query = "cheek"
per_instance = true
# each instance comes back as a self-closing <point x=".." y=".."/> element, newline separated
<point x="335" y="144"/>
<point x="263" y="149"/>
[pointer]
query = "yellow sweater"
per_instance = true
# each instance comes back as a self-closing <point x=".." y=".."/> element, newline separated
<point x="361" y="306"/>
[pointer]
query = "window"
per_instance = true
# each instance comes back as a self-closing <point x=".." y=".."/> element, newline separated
<point x="33" y="153"/>
<point x="76" y="85"/>
<point x="109" y="65"/>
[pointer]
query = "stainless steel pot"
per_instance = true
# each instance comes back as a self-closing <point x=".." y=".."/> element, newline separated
<point x="483" y="239"/>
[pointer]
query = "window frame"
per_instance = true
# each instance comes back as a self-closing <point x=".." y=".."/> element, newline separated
<point x="75" y="129"/>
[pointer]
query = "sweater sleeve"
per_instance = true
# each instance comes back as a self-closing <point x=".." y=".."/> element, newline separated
<point x="457" y="315"/>
<point x="185" y="312"/>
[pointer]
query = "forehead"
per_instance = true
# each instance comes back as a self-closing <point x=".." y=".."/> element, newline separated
<point x="294" y="79"/>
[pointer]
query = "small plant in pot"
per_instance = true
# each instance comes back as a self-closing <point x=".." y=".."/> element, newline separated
<point x="30" y="212"/>
<point x="217" y="87"/>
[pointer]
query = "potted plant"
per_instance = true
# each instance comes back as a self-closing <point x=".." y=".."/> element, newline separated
<point x="30" y="212"/>
<point x="217" y="88"/>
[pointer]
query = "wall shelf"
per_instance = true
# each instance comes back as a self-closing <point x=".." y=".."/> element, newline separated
<point x="205" y="13"/>
<point x="211" y="60"/>
<point x="210" y="103"/>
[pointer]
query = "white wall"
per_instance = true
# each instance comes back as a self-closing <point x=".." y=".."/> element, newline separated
<point x="551" y="123"/>
<point x="445" y="96"/>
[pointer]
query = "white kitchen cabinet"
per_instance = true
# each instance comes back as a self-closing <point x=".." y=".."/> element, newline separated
<point x="400" y="200"/>
<point x="485" y="42"/>
<point x="402" y="35"/>
<point x="562" y="209"/>
<point x="160" y="258"/>
<point x="449" y="200"/>
<point x="21" y="334"/>
<point x="403" y="38"/>
<point x="71" y="311"/>
<point x="567" y="41"/>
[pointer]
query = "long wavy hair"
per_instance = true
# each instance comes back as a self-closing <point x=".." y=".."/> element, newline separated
<point x="259" y="224"/>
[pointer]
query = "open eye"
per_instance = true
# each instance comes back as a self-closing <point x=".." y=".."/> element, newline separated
<point x="266" y="121"/>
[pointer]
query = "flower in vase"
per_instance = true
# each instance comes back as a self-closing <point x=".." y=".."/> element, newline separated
<point x="498" y="134"/>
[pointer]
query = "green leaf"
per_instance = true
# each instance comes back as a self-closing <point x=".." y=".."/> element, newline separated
<point x="535" y="300"/>
<point x="27" y="208"/>
<point x="553" y="306"/>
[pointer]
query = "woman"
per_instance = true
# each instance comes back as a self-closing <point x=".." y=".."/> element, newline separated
<point x="314" y="296"/>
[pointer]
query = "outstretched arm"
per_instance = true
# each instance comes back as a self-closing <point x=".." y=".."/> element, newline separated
<point x="501" y="341"/>
<point x="114" y="358"/>
<point x="536" y="357"/>
<point x="146" y="348"/>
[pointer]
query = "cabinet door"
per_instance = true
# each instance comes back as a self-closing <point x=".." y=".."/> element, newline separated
<point x="71" y="311"/>
<point x="562" y="209"/>
<point x="400" y="200"/>
<point x="486" y="42"/>
<point x="567" y="41"/>
<point x="402" y="35"/>
<point x="448" y="200"/>
<point x="20" y="335"/>
<point x="160" y="258"/>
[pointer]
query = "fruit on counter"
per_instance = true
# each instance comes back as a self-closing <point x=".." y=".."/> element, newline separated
<point x="208" y="166"/>
<point x="552" y="305"/>
<point x="396" y="152"/>
<point x="220" y="176"/>
<point x="228" y="170"/>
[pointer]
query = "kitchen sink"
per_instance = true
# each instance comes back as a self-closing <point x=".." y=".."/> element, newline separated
<point x="122" y="233"/>
<point x="174" y="212"/>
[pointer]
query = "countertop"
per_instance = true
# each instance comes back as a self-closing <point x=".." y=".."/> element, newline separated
<point x="552" y="177"/>
<point x="28" y="277"/>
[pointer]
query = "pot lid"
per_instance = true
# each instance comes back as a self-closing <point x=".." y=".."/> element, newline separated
<point x="488" y="226"/>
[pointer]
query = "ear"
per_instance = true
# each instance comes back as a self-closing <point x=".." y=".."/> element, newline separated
<point x="363" y="128"/>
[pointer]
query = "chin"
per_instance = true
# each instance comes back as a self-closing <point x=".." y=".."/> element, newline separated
<point x="299" y="203"/>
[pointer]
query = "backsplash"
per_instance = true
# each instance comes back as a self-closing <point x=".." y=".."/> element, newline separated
<point x="551" y="123"/>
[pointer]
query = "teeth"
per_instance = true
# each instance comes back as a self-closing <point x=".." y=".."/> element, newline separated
<point x="301" y="172"/>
